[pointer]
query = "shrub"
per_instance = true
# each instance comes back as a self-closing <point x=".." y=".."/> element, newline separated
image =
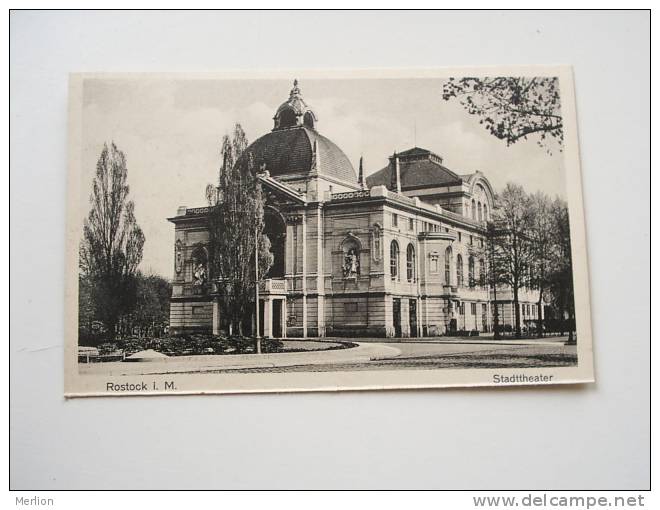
<point x="107" y="348"/>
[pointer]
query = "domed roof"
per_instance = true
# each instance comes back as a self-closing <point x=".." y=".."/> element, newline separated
<point x="294" y="147"/>
<point x="291" y="151"/>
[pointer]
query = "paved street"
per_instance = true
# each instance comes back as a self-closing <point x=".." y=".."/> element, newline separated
<point x="366" y="355"/>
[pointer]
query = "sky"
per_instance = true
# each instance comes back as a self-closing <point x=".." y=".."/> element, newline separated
<point x="170" y="131"/>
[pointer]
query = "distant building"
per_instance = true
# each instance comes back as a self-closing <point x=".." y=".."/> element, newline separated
<point x="400" y="253"/>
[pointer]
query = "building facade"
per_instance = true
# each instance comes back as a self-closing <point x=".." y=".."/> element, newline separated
<point x="400" y="253"/>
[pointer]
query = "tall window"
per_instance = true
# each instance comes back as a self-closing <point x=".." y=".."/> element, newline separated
<point x="410" y="263"/>
<point x="485" y="212"/>
<point x="394" y="260"/>
<point x="482" y="273"/>
<point x="448" y="266"/>
<point x="459" y="270"/>
<point x="471" y="271"/>
<point x="395" y="220"/>
<point x="474" y="210"/>
<point x="479" y="211"/>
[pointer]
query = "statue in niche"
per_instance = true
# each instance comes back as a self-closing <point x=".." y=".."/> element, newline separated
<point x="199" y="267"/>
<point x="199" y="275"/>
<point x="351" y="267"/>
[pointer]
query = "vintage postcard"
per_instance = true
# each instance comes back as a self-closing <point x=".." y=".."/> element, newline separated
<point x="318" y="230"/>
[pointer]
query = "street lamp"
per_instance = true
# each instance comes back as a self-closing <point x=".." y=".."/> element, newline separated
<point x="256" y="287"/>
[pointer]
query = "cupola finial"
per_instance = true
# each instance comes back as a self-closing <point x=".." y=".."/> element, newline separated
<point x="295" y="91"/>
<point x="361" y="180"/>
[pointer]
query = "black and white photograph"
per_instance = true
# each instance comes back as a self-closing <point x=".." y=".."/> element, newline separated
<point x="356" y="230"/>
<point x="300" y="258"/>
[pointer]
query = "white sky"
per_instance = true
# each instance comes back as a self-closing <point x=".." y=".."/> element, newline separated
<point x="170" y="131"/>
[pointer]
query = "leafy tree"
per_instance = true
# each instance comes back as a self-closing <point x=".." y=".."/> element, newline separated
<point x="511" y="108"/>
<point x="236" y="222"/>
<point x="561" y="277"/>
<point x="544" y="248"/>
<point x="151" y="310"/>
<point x="111" y="248"/>
<point x="513" y="253"/>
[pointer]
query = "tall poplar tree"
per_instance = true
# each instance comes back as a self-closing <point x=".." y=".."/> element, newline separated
<point x="236" y="227"/>
<point x="111" y="248"/>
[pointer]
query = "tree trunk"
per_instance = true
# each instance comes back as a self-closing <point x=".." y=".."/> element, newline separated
<point x="539" y="323"/>
<point x="517" y="311"/>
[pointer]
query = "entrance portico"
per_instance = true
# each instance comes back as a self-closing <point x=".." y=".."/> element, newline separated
<point x="272" y="308"/>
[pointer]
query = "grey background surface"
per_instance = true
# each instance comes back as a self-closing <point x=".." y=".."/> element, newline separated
<point x="595" y="436"/>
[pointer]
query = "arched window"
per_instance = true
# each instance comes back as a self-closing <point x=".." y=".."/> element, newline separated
<point x="482" y="273"/>
<point x="275" y="230"/>
<point x="287" y="118"/>
<point x="471" y="280"/>
<point x="410" y="263"/>
<point x="485" y="212"/>
<point x="474" y="209"/>
<point x="308" y="120"/>
<point x="479" y="211"/>
<point x="459" y="270"/>
<point x="394" y="260"/>
<point x="199" y="268"/>
<point x="448" y="266"/>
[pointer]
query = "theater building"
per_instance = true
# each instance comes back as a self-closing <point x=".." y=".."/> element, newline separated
<point x="400" y="253"/>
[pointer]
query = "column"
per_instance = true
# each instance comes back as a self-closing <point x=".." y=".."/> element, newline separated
<point x="304" y="271"/>
<point x="216" y="317"/>
<point x="320" y="275"/>
<point x="405" y="316"/>
<point x="268" y="317"/>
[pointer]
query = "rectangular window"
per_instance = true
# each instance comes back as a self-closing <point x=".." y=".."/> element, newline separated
<point x="411" y="224"/>
<point x="460" y="236"/>
<point x="395" y="220"/>
<point x="350" y="307"/>
<point x="473" y="306"/>
<point x="471" y="240"/>
<point x="434" y="264"/>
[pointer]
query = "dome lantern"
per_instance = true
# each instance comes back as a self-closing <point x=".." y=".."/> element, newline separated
<point x="294" y="112"/>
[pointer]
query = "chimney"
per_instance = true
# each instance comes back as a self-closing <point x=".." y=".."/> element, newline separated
<point x="361" y="176"/>
<point x="395" y="182"/>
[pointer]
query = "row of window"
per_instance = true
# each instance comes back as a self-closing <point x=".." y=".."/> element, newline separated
<point x="473" y="309"/>
<point x="432" y="227"/>
<point x="460" y="281"/>
<point x="395" y="222"/>
<point x="473" y="279"/>
<point x="394" y="261"/>
<point x="526" y="310"/>
<point x="479" y="212"/>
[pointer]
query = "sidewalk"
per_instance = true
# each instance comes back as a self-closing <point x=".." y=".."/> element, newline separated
<point x="186" y="364"/>
<point x="487" y="340"/>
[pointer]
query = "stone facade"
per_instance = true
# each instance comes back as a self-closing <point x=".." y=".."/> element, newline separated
<point x="406" y="257"/>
